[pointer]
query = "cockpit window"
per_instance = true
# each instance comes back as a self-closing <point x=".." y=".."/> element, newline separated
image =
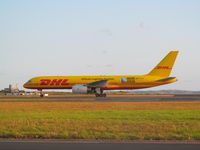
<point x="28" y="81"/>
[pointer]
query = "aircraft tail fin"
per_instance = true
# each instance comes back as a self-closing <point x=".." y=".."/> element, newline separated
<point x="164" y="68"/>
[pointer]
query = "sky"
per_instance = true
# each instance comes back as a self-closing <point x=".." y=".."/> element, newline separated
<point x="98" y="37"/>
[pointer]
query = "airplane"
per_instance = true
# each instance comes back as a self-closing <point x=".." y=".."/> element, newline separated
<point x="160" y="75"/>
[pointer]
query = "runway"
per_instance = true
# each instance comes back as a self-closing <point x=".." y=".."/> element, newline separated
<point x="97" y="145"/>
<point x="116" y="98"/>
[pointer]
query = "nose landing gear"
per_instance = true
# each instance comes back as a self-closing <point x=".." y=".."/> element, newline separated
<point x="41" y="93"/>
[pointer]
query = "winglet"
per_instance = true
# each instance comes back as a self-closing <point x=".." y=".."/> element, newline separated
<point x="164" y="68"/>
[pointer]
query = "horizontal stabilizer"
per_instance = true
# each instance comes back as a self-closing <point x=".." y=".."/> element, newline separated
<point x="166" y="79"/>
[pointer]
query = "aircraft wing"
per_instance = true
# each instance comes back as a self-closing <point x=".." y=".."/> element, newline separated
<point x="98" y="84"/>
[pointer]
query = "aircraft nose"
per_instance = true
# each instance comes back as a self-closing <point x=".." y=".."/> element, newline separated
<point x="25" y="85"/>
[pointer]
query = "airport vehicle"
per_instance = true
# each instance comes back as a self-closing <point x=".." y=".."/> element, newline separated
<point x="160" y="75"/>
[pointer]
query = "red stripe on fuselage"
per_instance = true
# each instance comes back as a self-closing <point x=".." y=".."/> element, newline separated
<point x="105" y="88"/>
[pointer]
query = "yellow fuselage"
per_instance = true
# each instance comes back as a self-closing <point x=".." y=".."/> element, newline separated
<point x="114" y="82"/>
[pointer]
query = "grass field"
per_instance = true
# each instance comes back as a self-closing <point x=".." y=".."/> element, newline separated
<point x="101" y="120"/>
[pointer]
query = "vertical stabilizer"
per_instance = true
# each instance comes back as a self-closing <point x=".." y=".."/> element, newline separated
<point x="164" y="68"/>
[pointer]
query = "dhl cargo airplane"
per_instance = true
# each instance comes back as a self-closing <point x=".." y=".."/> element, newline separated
<point x="97" y="84"/>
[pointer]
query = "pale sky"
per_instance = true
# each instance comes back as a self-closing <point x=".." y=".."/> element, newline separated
<point x="98" y="37"/>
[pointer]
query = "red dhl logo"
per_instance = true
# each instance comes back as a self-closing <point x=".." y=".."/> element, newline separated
<point x="54" y="82"/>
<point x="163" y="67"/>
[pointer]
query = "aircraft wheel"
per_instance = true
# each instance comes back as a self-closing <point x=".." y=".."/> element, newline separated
<point x="103" y="95"/>
<point x="100" y="95"/>
<point x="97" y="95"/>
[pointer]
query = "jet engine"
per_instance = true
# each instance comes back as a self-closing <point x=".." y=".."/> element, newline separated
<point x="80" y="89"/>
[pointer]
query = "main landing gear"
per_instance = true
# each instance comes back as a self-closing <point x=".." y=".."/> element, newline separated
<point x="99" y="93"/>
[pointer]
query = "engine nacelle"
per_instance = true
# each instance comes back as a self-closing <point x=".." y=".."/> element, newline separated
<point x="80" y="89"/>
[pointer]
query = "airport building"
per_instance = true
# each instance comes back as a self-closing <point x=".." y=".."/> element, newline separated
<point x="12" y="90"/>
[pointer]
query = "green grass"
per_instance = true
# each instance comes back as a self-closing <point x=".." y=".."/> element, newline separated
<point x="157" y="115"/>
<point x="28" y="120"/>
